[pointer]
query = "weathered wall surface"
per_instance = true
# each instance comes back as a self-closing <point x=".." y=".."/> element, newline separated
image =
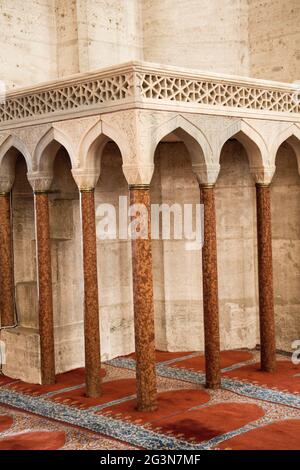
<point x="114" y="265"/>
<point x="28" y="42"/>
<point x="48" y="39"/>
<point x="274" y="37"/>
<point x="67" y="39"/>
<point x="207" y="35"/>
<point x="109" y="32"/>
<point x="236" y="231"/>
<point x="286" y="247"/>
<point x="177" y="272"/>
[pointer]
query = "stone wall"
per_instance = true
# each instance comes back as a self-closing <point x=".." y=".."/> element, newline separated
<point x="207" y="35"/>
<point x="274" y="36"/>
<point x="28" y="42"/>
<point x="48" y="39"/>
<point x="286" y="247"/>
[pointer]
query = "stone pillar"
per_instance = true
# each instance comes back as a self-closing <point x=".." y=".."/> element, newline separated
<point x="210" y="289"/>
<point x="86" y="181"/>
<point x="265" y="278"/>
<point x="41" y="183"/>
<point x="91" y="303"/>
<point x="6" y="263"/>
<point x="207" y="174"/>
<point x="44" y="287"/>
<point x="143" y="308"/>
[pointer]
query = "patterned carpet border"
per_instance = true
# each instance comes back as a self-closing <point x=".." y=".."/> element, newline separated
<point x="235" y="386"/>
<point x="117" y="429"/>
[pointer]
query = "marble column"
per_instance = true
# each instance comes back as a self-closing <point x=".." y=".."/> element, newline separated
<point x="265" y="278"/>
<point x="44" y="287"/>
<point x="210" y="289"/>
<point x="91" y="303"/>
<point x="143" y="308"/>
<point x="6" y="263"/>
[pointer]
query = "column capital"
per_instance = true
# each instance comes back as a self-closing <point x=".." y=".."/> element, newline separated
<point x="263" y="175"/>
<point x="138" y="174"/>
<point x="86" y="179"/>
<point x="206" y="174"/>
<point x="6" y="183"/>
<point x="40" y="181"/>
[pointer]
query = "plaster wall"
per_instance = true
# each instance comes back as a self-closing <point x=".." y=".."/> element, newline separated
<point x="109" y="32"/>
<point x="236" y="232"/>
<point x="28" y="42"/>
<point x="286" y="247"/>
<point x="203" y="34"/>
<point x="177" y="272"/>
<point x="48" y="39"/>
<point x="274" y="36"/>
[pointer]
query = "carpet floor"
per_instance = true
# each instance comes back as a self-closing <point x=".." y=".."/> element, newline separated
<point x="252" y="410"/>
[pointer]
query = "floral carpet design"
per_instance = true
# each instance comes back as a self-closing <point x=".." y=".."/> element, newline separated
<point x="252" y="410"/>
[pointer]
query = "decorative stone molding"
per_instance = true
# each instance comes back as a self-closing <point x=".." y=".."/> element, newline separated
<point x="86" y="179"/>
<point x="206" y="174"/>
<point x="263" y="175"/>
<point x="40" y="181"/>
<point x="141" y="84"/>
<point x="138" y="174"/>
<point x="6" y="183"/>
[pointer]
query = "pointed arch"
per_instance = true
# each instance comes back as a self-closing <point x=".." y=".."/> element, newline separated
<point x="194" y="139"/>
<point x="8" y="153"/>
<point x="47" y="147"/>
<point x="93" y="143"/>
<point x="250" y="139"/>
<point x="291" y="135"/>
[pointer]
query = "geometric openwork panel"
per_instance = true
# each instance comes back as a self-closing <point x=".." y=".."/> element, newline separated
<point x="67" y="98"/>
<point x="142" y="83"/>
<point x="157" y="87"/>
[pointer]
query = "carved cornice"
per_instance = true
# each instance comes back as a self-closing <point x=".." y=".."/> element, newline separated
<point x="145" y="85"/>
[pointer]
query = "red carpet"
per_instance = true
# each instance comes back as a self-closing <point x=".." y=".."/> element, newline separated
<point x="113" y="390"/>
<point x="4" y="380"/>
<point x="204" y="424"/>
<point x="67" y="379"/>
<point x="282" y="435"/>
<point x="33" y="441"/>
<point x="5" y="423"/>
<point x="283" y="379"/>
<point x="169" y="403"/>
<point x="162" y="356"/>
<point x="228" y="358"/>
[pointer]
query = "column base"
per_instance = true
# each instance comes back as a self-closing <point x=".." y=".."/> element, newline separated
<point x="268" y="369"/>
<point x="213" y="385"/>
<point x="146" y="408"/>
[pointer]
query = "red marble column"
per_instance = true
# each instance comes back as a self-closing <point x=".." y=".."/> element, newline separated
<point x="6" y="263"/>
<point x="265" y="279"/>
<point x="91" y="303"/>
<point x="210" y="289"/>
<point x="143" y="309"/>
<point x="45" y="287"/>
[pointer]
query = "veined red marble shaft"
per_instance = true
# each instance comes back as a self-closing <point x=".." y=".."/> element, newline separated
<point x="265" y="279"/>
<point x="144" y="309"/>
<point x="91" y="302"/>
<point x="210" y="290"/>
